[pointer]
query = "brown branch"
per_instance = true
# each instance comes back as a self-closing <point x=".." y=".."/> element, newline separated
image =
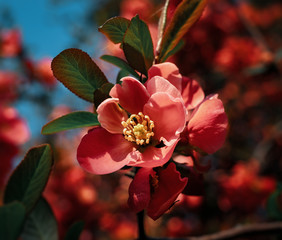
<point x="239" y="231"/>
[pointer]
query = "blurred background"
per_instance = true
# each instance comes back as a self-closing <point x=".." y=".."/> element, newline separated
<point x="235" y="49"/>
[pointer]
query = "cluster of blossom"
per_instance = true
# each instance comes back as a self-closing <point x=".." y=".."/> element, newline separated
<point x="11" y="47"/>
<point x="244" y="183"/>
<point x="13" y="129"/>
<point x="221" y="47"/>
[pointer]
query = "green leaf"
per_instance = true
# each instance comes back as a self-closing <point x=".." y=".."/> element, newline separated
<point x="102" y="94"/>
<point x="77" y="71"/>
<point x="185" y="15"/>
<point x="138" y="46"/>
<point x="12" y="218"/>
<point x="121" y="64"/>
<point x="41" y="223"/>
<point x="273" y="204"/>
<point x="122" y="73"/>
<point x="115" y="28"/>
<point x="70" y="121"/>
<point x="30" y="177"/>
<point x="180" y="44"/>
<point x="75" y="231"/>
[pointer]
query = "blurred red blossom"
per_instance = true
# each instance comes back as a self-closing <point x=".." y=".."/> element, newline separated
<point x="13" y="129"/>
<point x="8" y="86"/>
<point x="44" y="72"/>
<point x="244" y="189"/>
<point x="262" y="17"/>
<point x="178" y="227"/>
<point x="238" y="53"/>
<point x="10" y="43"/>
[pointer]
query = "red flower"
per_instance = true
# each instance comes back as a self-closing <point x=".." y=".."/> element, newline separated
<point x="155" y="190"/>
<point x="190" y="90"/>
<point x="146" y="138"/>
<point x="207" y="125"/>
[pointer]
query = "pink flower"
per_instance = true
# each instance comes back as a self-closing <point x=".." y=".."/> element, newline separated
<point x="207" y="125"/>
<point x="155" y="190"/>
<point x="190" y="90"/>
<point x="140" y="126"/>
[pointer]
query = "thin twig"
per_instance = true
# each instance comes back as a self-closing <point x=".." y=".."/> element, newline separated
<point x="141" y="229"/>
<point x="239" y="231"/>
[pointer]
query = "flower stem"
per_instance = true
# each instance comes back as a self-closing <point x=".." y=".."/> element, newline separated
<point x="141" y="229"/>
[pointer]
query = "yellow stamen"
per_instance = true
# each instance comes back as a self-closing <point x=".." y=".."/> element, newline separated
<point x="138" y="128"/>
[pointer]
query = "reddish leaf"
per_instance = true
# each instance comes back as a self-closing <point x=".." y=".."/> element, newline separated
<point x="186" y="14"/>
<point x="77" y="71"/>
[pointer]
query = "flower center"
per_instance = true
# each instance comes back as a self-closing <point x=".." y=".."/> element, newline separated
<point x="138" y="128"/>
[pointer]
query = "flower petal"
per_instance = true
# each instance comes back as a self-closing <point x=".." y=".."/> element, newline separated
<point x="207" y="128"/>
<point x="168" y="115"/>
<point x="139" y="190"/>
<point x="110" y="115"/>
<point x="168" y="71"/>
<point x="101" y="152"/>
<point x="131" y="93"/>
<point x="159" y="84"/>
<point x="153" y="157"/>
<point x="170" y="185"/>
<point x="192" y="93"/>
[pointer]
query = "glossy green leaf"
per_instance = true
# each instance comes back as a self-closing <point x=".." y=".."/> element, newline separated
<point x="115" y="28"/>
<point x="121" y="74"/>
<point x="12" y="217"/>
<point x="185" y="15"/>
<point x="78" y="72"/>
<point x="30" y="177"/>
<point x="71" y="121"/>
<point x="41" y="223"/>
<point x="75" y="231"/>
<point x="174" y="50"/>
<point x="102" y="94"/>
<point x="121" y="64"/>
<point x="138" y="45"/>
